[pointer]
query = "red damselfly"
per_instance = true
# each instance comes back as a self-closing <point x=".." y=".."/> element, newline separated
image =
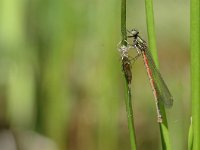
<point x="159" y="87"/>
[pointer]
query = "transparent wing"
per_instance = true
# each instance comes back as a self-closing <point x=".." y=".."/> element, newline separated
<point x="162" y="90"/>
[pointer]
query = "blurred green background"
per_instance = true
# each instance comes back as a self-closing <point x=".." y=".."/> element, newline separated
<point x="61" y="84"/>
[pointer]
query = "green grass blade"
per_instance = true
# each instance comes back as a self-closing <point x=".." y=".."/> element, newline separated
<point x="151" y="30"/>
<point x="129" y="111"/>
<point x="190" y="137"/>
<point x="152" y="45"/>
<point x="128" y="90"/>
<point x="195" y="74"/>
<point x="123" y="21"/>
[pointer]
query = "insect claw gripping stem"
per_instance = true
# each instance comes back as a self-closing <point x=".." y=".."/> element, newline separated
<point x="120" y="45"/>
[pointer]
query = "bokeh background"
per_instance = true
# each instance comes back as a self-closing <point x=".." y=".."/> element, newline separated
<point x="61" y="84"/>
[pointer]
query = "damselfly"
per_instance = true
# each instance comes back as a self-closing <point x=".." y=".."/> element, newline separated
<point x="160" y="90"/>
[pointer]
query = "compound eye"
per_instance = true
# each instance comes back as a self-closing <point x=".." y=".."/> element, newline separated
<point x="134" y="32"/>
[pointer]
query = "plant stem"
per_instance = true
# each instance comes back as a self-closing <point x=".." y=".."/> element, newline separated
<point x="195" y="74"/>
<point x="152" y="45"/>
<point x="129" y="111"/>
<point x="190" y="137"/>
<point x="128" y="102"/>
<point x="123" y="22"/>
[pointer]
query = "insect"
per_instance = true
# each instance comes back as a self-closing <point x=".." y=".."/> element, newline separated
<point x="159" y="87"/>
<point x="126" y="66"/>
<point x="126" y="63"/>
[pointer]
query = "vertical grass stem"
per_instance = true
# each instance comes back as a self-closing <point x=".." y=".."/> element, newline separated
<point x="195" y="73"/>
<point x="152" y="45"/>
<point x="128" y="102"/>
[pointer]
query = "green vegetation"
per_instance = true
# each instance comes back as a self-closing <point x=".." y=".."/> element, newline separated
<point x="128" y="100"/>
<point x="61" y="82"/>
<point x="152" y="46"/>
<point x="194" y="132"/>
